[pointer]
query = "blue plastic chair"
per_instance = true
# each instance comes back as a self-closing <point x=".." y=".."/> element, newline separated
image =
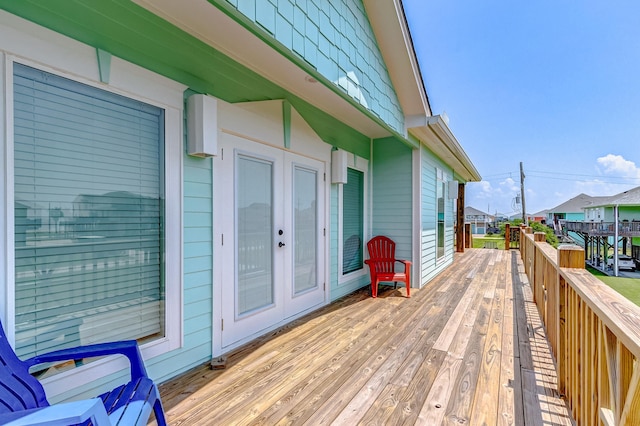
<point x="23" y="400"/>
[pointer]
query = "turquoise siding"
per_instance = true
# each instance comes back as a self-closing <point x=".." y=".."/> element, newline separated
<point x="335" y="38"/>
<point x="197" y="270"/>
<point x="198" y="273"/>
<point x="392" y="197"/>
<point x="430" y="266"/>
<point x="575" y="217"/>
<point x="626" y="213"/>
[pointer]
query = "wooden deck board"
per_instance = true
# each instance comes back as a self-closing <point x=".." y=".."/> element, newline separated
<point x="467" y="348"/>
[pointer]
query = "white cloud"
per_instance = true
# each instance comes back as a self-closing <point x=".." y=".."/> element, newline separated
<point x="485" y="187"/>
<point x="617" y="165"/>
<point x="509" y="185"/>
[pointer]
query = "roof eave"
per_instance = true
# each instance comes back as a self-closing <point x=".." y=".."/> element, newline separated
<point x="391" y="29"/>
<point x="436" y="135"/>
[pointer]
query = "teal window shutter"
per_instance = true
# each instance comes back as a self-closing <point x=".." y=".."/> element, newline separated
<point x="89" y="213"/>
<point x="353" y="222"/>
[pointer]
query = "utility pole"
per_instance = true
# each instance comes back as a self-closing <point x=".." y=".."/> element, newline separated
<point x="524" y="210"/>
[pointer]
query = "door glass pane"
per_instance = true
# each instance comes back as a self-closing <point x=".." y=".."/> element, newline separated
<point x="254" y="210"/>
<point x="305" y="217"/>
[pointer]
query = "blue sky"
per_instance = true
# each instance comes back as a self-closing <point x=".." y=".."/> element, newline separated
<point x="555" y="85"/>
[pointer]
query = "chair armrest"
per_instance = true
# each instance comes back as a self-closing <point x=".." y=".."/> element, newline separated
<point x="128" y="348"/>
<point x="407" y="263"/>
<point x="62" y="414"/>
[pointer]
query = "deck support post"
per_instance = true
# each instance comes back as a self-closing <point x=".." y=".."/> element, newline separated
<point x="460" y="225"/>
<point x="468" y="240"/>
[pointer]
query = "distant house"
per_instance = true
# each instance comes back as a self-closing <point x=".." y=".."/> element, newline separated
<point x="478" y="219"/>
<point x="627" y="204"/>
<point x="602" y="210"/>
<point x="540" y="217"/>
<point x="572" y="210"/>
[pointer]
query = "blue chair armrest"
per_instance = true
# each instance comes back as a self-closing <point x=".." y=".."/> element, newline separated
<point x="63" y="414"/>
<point x="128" y="348"/>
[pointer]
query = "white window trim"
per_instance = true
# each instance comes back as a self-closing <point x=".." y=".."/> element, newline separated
<point x="31" y="45"/>
<point x="357" y="163"/>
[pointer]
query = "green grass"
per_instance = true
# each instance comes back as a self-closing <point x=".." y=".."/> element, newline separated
<point x="628" y="287"/>
<point x="478" y="242"/>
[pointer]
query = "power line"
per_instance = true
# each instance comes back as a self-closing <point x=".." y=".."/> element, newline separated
<point x="572" y="177"/>
<point x="603" y="179"/>
<point x="496" y="175"/>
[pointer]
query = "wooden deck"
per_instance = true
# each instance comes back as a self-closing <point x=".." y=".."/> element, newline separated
<point x="466" y="349"/>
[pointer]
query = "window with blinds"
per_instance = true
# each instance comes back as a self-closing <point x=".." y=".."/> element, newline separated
<point x="440" y="194"/>
<point x="352" y="222"/>
<point x="89" y="213"/>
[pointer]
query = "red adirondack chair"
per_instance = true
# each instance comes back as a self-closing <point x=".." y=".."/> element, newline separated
<point x="382" y="262"/>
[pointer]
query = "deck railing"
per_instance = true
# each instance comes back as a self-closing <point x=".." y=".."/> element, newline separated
<point x="625" y="228"/>
<point x="593" y="331"/>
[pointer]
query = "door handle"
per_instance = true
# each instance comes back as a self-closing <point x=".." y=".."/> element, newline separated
<point x="280" y="244"/>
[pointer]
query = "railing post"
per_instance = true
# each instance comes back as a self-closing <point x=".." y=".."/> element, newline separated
<point x="460" y="219"/>
<point x="568" y="257"/>
<point x="539" y="237"/>
<point x="507" y="236"/>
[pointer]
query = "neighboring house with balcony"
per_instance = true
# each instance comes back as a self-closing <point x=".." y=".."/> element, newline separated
<point x="605" y="219"/>
<point x="195" y="174"/>
<point x="572" y="210"/>
<point x="478" y="220"/>
<point x="603" y="209"/>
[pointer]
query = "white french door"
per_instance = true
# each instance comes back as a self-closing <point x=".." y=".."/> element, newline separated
<point x="270" y="215"/>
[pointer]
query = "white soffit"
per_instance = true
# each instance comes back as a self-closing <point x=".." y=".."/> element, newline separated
<point x="436" y="135"/>
<point x="212" y="26"/>
<point x="394" y="40"/>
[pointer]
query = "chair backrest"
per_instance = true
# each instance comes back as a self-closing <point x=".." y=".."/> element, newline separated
<point x="382" y="250"/>
<point x="19" y="390"/>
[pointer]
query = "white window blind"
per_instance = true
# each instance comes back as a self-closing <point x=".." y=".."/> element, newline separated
<point x="89" y="212"/>
<point x="353" y="222"/>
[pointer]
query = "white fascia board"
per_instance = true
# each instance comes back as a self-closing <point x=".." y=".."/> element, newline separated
<point x="435" y="134"/>
<point x="390" y="27"/>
